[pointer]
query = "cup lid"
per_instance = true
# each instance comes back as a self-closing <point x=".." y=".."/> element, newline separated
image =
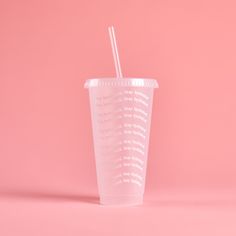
<point x="121" y="82"/>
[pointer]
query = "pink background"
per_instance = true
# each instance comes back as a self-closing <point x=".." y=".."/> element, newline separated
<point x="49" y="48"/>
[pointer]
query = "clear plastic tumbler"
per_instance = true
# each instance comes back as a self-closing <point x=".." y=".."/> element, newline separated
<point x="121" y="117"/>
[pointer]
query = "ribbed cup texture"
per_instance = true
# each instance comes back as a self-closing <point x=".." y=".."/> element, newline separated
<point x="121" y="118"/>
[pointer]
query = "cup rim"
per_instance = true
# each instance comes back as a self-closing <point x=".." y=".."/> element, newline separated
<point x="121" y="82"/>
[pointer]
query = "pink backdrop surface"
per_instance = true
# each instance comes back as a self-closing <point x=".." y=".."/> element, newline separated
<point x="49" y="48"/>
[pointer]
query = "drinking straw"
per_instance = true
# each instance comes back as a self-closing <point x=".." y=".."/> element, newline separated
<point x="115" y="52"/>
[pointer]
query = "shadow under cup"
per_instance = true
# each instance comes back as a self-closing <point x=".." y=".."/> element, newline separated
<point x="121" y="117"/>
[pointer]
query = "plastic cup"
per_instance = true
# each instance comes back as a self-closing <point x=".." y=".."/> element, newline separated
<point x="121" y="117"/>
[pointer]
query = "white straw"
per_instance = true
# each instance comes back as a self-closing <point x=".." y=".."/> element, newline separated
<point x="115" y="52"/>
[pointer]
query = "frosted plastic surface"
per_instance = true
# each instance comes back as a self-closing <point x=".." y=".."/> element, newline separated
<point x="121" y="118"/>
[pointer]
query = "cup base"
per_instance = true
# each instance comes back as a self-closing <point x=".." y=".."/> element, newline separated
<point x="129" y="200"/>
